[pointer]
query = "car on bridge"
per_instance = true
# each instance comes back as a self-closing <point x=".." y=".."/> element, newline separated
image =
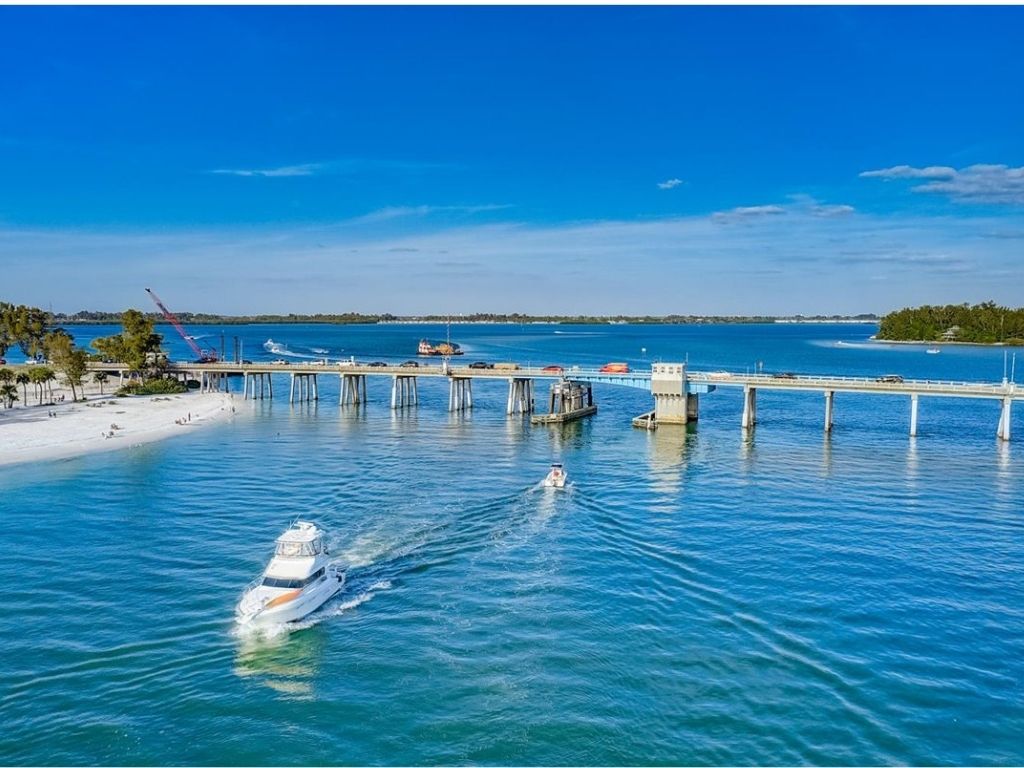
<point x="890" y="378"/>
<point x="279" y="362"/>
<point x="784" y="375"/>
<point x="410" y="364"/>
<point x="480" y="364"/>
<point x="614" y="368"/>
<point x="553" y="369"/>
<point x="377" y="364"/>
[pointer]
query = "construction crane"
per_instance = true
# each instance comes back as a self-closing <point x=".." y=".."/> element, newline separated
<point x="202" y="355"/>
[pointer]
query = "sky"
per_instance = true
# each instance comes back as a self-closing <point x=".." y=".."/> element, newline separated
<point x="690" y="160"/>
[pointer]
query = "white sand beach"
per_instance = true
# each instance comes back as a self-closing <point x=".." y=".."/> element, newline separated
<point x="104" y="424"/>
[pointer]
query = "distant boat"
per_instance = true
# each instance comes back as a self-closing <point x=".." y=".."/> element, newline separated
<point x="272" y="346"/>
<point x="933" y="350"/>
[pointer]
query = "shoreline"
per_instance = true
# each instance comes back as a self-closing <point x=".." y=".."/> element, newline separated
<point x="947" y="343"/>
<point x="104" y="423"/>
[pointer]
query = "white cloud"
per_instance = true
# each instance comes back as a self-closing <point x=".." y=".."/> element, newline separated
<point x="400" y="211"/>
<point x="669" y="183"/>
<point x="980" y="183"/>
<point x="748" y="212"/>
<point x="772" y="263"/>
<point x="828" y="211"/>
<point x="907" y="172"/>
<point x="306" y="169"/>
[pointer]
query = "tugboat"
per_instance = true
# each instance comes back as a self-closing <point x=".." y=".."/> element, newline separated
<point x="298" y="580"/>
<point x="556" y="477"/>
<point x="439" y="349"/>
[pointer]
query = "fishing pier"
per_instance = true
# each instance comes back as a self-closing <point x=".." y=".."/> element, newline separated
<point x="675" y="389"/>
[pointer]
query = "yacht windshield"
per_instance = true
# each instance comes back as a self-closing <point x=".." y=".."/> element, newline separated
<point x="270" y="581"/>
<point x="298" y="548"/>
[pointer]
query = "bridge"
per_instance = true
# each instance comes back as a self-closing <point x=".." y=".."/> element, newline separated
<point x="675" y="388"/>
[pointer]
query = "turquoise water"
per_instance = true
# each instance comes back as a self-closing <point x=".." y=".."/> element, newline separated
<point x="695" y="597"/>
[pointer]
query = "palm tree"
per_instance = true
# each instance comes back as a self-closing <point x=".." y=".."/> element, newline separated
<point x="8" y="394"/>
<point x="48" y="378"/>
<point x="100" y="377"/>
<point x="23" y="379"/>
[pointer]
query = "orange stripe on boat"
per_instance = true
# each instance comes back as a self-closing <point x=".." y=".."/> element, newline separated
<point x="287" y="597"/>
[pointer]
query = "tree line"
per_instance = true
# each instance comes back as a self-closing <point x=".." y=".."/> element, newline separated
<point x="985" y="323"/>
<point x="33" y="331"/>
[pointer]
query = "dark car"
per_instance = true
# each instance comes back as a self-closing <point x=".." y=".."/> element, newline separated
<point x="890" y="378"/>
<point x="553" y="369"/>
<point x="784" y="375"/>
<point x="410" y="364"/>
<point x="481" y="364"/>
<point x="377" y="364"/>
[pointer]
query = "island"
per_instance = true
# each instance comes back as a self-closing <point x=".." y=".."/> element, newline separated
<point x="985" y="323"/>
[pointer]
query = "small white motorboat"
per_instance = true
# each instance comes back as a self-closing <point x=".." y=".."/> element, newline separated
<point x="298" y="580"/>
<point x="556" y="477"/>
<point x="933" y="350"/>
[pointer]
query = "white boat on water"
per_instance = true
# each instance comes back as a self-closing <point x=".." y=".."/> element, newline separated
<point x="933" y="350"/>
<point x="556" y="478"/>
<point x="298" y="580"/>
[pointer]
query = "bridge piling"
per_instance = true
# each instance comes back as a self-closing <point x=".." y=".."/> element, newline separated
<point x="404" y="392"/>
<point x="353" y="388"/>
<point x="913" y="415"/>
<point x="1003" y="432"/>
<point x="749" y="417"/>
<point x="829" y="398"/>
<point x="520" y="396"/>
<point x="460" y="394"/>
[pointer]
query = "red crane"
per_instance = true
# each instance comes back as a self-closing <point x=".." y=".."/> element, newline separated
<point x="203" y="355"/>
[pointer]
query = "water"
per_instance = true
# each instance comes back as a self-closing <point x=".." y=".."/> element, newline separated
<point x="695" y="597"/>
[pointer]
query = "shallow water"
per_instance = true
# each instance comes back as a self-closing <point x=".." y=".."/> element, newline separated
<point x="696" y="597"/>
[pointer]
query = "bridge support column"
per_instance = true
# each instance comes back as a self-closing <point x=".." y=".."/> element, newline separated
<point x="749" y="417"/>
<point x="404" y="392"/>
<point x="1003" y="433"/>
<point x="353" y="388"/>
<point x="672" y="403"/>
<point x="692" y="407"/>
<point x="460" y="394"/>
<point x="307" y="387"/>
<point x="913" y="415"/>
<point x="829" y="399"/>
<point x="520" y="396"/>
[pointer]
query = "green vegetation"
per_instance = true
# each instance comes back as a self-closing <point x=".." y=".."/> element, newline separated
<point x="137" y="346"/>
<point x="66" y="358"/>
<point x="23" y="326"/>
<point x="152" y="387"/>
<point x="985" y="323"/>
<point x="8" y="389"/>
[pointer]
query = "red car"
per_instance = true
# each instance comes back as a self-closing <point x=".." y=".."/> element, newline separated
<point x="553" y="369"/>
<point x="615" y="368"/>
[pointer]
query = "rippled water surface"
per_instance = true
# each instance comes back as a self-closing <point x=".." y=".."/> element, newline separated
<point x="697" y="596"/>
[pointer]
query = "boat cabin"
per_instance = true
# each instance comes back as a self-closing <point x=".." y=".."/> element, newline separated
<point x="301" y="540"/>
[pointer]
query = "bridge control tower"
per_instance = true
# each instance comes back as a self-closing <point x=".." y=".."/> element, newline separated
<point x="676" y="400"/>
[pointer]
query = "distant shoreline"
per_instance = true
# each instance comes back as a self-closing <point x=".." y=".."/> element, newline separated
<point x="115" y="319"/>
<point x="923" y="343"/>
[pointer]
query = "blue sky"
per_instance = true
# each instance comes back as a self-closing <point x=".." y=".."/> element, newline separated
<point x="704" y="160"/>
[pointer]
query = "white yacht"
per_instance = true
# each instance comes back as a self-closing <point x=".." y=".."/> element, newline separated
<point x="556" y="477"/>
<point x="299" y="579"/>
